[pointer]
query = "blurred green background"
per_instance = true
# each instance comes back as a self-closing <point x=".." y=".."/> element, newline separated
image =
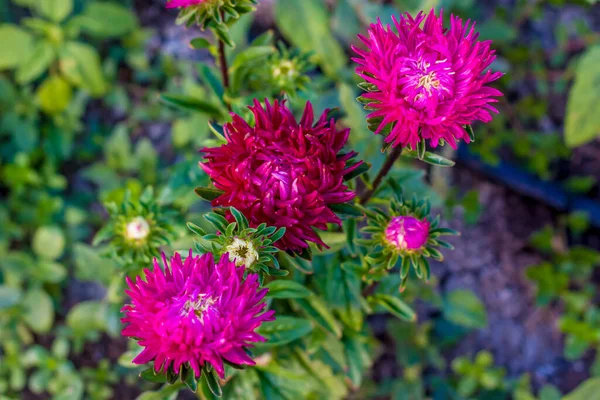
<point x="512" y="313"/>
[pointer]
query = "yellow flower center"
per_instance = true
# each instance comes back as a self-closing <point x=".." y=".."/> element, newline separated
<point x="429" y="81"/>
<point x="242" y="252"/>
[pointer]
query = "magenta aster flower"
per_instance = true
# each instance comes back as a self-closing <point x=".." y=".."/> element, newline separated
<point x="407" y="233"/>
<point x="427" y="81"/>
<point x="283" y="172"/>
<point x="184" y="3"/>
<point x="195" y="312"/>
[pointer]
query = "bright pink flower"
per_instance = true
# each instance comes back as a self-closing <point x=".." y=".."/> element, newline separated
<point x="184" y="3"/>
<point x="195" y="312"/>
<point x="428" y="81"/>
<point x="407" y="233"/>
<point x="282" y="172"/>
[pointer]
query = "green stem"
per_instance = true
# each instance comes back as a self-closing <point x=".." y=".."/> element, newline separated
<point x="385" y="169"/>
<point x="223" y="65"/>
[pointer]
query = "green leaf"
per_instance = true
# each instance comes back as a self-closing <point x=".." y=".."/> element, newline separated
<point x="346" y="210"/>
<point x="151" y="376"/>
<point x="586" y="391"/>
<point x="218" y="221"/>
<point x="284" y="330"/>
<point x="241" y="220"/>
<point x="189" y="103"/>
<point x="361" y="169"/>
<point x="358" y="358"/>
<point x="208" y="194"/>
<point x="343" y="294"/>
<point x="38" y="61"/>
<point x="277" y="235"/>
<point x="196" y="229"/>
<point x="38" y="311"/>
<point x="199" y="43"/>
<point x="549" y="392"/>
<point x="9" y="296"/>
<point x="87" y="316"/>
<point x="281" y="289"/>
<point x="313" y="34"/>
<point x="54" y="95"/>
<point x="211" y="380"/>
<point x="80" y="64"/>
<point x="463" y="308"/>
<point x="582" y="122"/>
<point x="102" y="19"/>
<point x="251" y="55"/>
<point x="430" y="158"/>
<point x="56" y="10"/>
<point x="316" y="309"/>
<point x="211" y="78"/>
<point x="189" y="378"/>
<point x="48" y="242"/>
<point x="395" y="306"/>
<point x="17" y="45"/>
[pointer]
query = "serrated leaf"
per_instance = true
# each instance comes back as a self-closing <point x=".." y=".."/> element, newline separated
<point x="281" y="289"/>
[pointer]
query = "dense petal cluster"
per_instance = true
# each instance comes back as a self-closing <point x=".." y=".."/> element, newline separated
<point x="426" y="82"/>
<point x="282" y="172"/>
<point x="184" y="3"/>
<point x="407" y="232"/>
<point x="195" y="312"/>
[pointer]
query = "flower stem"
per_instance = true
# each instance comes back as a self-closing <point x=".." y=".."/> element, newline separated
<point x="385" y="169"/>
<point x="223" y="65"/>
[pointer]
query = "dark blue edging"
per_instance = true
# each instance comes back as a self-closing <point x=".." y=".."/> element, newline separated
<point x="550" y="193"/>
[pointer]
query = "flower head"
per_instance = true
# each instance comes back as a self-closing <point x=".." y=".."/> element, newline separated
<point x="405" y="236"/>
<point x="137" y="228"/>
<point x="426" y="82"/>
<point x="218" y="14"/>
<point x="284" y="71"/>
<point x="282" y="172"/>
<point x="407" y="232"/>
<point x="195" y="312"/>
<point x="250" y="247"/>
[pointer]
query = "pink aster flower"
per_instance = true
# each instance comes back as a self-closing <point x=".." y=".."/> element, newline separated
<point x="184" y="3"/>
<point x="195" y="312"/>
<point x="283" y="172"/>
<point x="427" y="81"/>
<point x="407" y="233"/>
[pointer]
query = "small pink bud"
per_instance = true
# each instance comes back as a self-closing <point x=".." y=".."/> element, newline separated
<point x="407" y="233"/>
